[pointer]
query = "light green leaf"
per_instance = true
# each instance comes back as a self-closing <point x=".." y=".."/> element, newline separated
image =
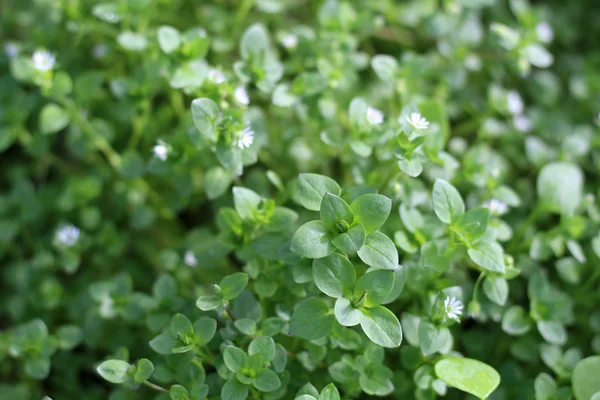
<point x="312" y="319"/>
<point x="345" y="313"/>
<point x="379" y="252"/>
<point x="181" y="326"/>
<point x="351" y="241"/>
<point x="515" y="321"/>
<point x="447" y="202"/>
<point x="255" y="43"/>
<point x="471" y="376"/>
<point x="267" y="381"/>
<point x="169" y="39"/>
<point x="585" y="378"/>
<point x="205" y="114"/>
<point x="207" y="303"/>
<point x="386" y="67"/>
<point x="329" y="392"/>
<point x="264" y="346"/>
<point x="232" y="285"/>
<point x="216" y="182"/>
<point x="53" y="118"/>
<point x="371" y="210"/>
<point x="164" y="343"/>
<point x="234" y="390"/>
<point x="488" y="255"/>
<point x="178" y="392"/>
<point x="560" y="187"/>
<point x="246" y="202"/>
<point x="552" y="331"/>
<point x="114" y="371"/>
<point x="144" y="370"/>
<point x="376" y="284"/>
<point x="334" y="275"/>
<point x="381" y="326"/>
<point x="132" y="41"/>
<point x="311" y="241"/>
<point x="204" y="330"/>
<point x="234" y="358"/>
<point x="333" y="211"/>
<point x="496" y="289"/>
<point x="310" y="189"/>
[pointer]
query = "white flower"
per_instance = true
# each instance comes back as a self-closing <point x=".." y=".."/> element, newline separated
<point x="522" y="123"/>
<point x="289" y="41"/>
<point x="43" y="60"/>
<point x="190" y="259"/>
<point x="216" y="76"/>
<point x="496" y="206"/>
<point x="11" y="49"/>
<point x="374" y="116"/>
<point x="100" y="51"/>
<point x="245" y="137"/>
<point x="160" y="150"/>
<point x="417" y="121"/>
<point x="514" y="102"/>
<point x="453" y="308"/>
<point x="67" y="235"/>
<point x="241" y="95"/>
<point x="544" y="32"/>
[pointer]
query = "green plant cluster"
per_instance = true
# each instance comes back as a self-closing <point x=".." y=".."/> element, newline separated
<point x="299" y="199"/>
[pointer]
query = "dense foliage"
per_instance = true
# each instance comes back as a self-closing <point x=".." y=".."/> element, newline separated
<point x="299" y="199"/>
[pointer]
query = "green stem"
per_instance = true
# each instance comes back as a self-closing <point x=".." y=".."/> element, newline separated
<point x="477" y="283"/>
<point x="155" y="387"/>
<point x="242" y="11"/>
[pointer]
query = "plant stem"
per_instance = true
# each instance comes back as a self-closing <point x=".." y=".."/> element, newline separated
<point x="230" y="313"/>
<point x="155" y="387"/>
<point x="476" y="288"/>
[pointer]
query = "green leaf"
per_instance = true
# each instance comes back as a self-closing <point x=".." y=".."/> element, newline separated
<point x="515" y="321"/>
<point x="205" y="114"/>
<point x="144" y="370"/>
<point x="560" y="187"/>
<point x="280" y="360"/>
<point x="267" y="381"/>
<point x="377" y="284"/>
<point x="311" y="241"/>
<point x="381" y="326"/>
<point x="329" y="392"/>
<point x="216" y="182"/>
<point x="168" y="39"/>
<point x="254" y="43"/>
<point x="234" y="390"/>
<point x="232" y="285"/>
<point x="350" y="241"/>
<point x="545" y="387"/>
<point x="496" y="289"/>
<point x="447" y="202"/>
<point x="264" y="346"/>
<point x="379" y="252"/>
<point x="312" y="319"/>
<point x="69" y="336"/>
<point x="371" y="211"/>
<point x="114" y="371"/>
<point x="53" y="118"/>
<point x="178" y="392"/>
<point x="488" y="255"/>
<point x="132" y="41"/>
<point x="431" y="338"/>
<point x="310" y="189"/>
<point x="473" y="224"/>
<point x="334" y="210"/>
<point x="345" y="313"/>
<point x="234" y="358"/>
<point x="385" y="67"/>
<point x="471" y="376"/>
<point x="552" y="331"/>
<point x="164" y="343"/>
<point x="181" y="326"/>
<point x="246" y="202"/>
<point x="585" y="378"/>
<point x="204" y="330"/>
<point x="207" y="303"/>
<point x="39" y="367"/>
<point x="334" y="275"/>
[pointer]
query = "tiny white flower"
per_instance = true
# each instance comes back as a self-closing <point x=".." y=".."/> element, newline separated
<point x="453" y="308"/>
<point x="216" y="76"/>
<point x="496" y="206"/>
<point x="100" y="51"/>
<point x="514" y="102"/>
<point x="374" y="116"/>
<point x="522" y="123"/>
<point x="417" y="121"/>
<point x="245" y="137"/>
<point x="544" y="32"/>
<point x="241" y="95"/>
<point x="189" y="258"/>
<point x="289" y="41"/>
<point x="160" y="150"/>
<point x="11" y="49"/>
<point x="43" y="60"/>
<point x="68" y="235"/>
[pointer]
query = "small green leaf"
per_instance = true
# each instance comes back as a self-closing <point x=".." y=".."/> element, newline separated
<point x="39" y="367"/>
<point x="169" y="39"/>
<point x="181" y="326"/>
<point x="164" y="343"/>
<point x="473" y="224"/>
<point x="69" y="336"/>
<point x="379" y="252"/>
<point x="53" y="118"/>
<point x="254" y="43"/>
<point x="114" y="371"/>
<point x="144" y="370"/>
<point x="350" y="241"/>
<point x="560" y="187"/>
<point x="232" y="285"/>
<point x="205" y="114"/>
<point x="585" y="378"/>
<point x="132" y="41"/>
<point x="376" y="284"/>
<point x="207" y="303"/>
<point x="312" y="319"/>
<point x="431" y="338"/>
<point x="246" y="202"/>
<point x="311" y="188"/>
<point x="178" y="392"/>
<point x="345" y="313"/>
<point x="488" y="255"/>
<point x="333" y="211"/>
<point x="515" y="321"/>
<point x="371" y="211"/>
<point x="496" y="289"/>
<point x="329" y="392"/>
<point x="216" y="182"/>
<point x="334" y="274"/>
<point x="447" y="202"/>
<point x="471" y="376"/>
<point x="264" y="346"/>
<point x="381" y="326"/>
<point x="385" y="67"/>
<point x="552" y="331"/>
<point x="267" y="381"/>
<point x="204" y="330"/>
<point x="311" y="241"/>
<point x="234" y="390"/>
<point x="234" y="358"/>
